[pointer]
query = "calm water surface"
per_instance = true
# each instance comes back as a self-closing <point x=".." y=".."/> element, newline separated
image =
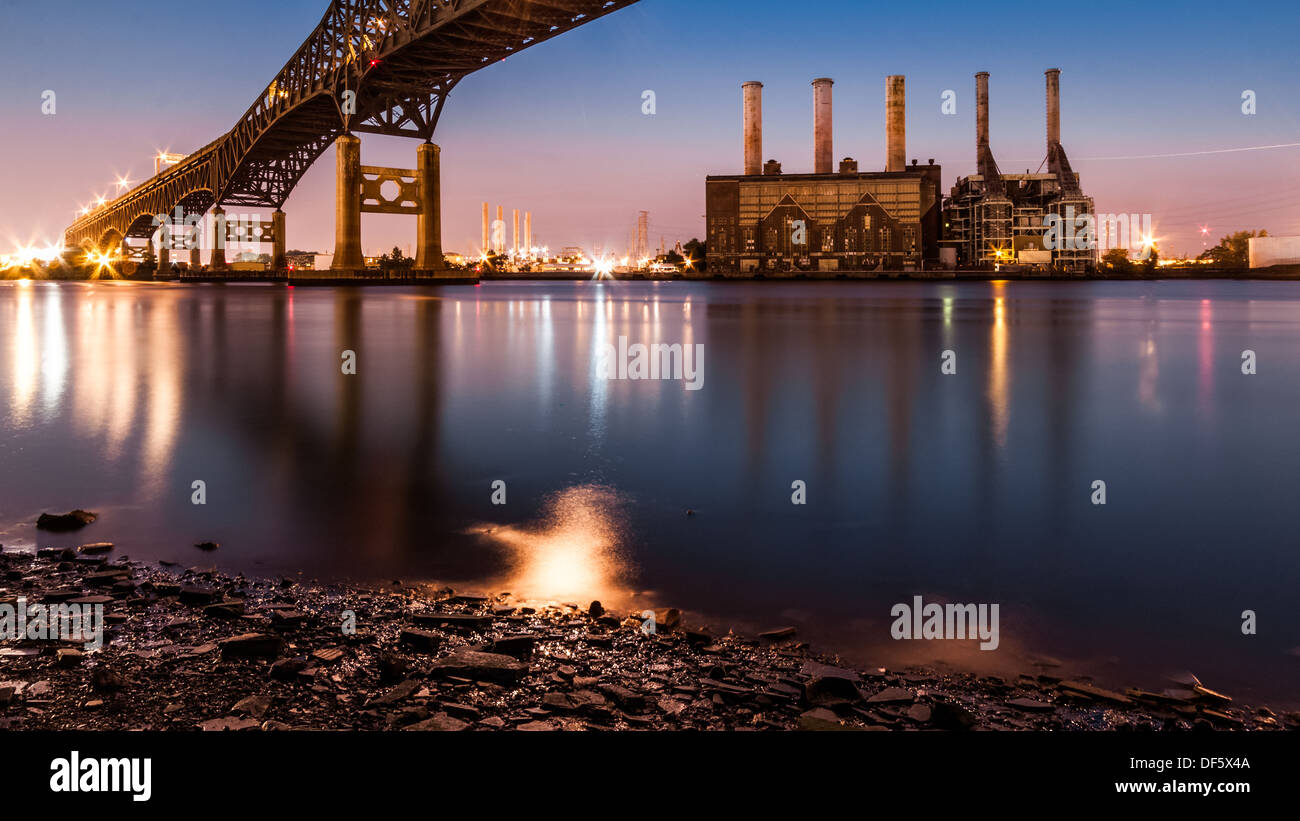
<point x="967" y="488"/>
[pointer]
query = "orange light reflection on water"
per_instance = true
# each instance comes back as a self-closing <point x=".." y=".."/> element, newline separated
<point x="572" y="554"/>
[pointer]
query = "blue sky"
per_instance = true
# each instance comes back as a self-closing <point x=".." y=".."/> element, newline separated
<point x="558" y="129"/>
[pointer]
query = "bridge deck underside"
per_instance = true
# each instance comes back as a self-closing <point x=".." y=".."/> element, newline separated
<point x="421" y="50"/>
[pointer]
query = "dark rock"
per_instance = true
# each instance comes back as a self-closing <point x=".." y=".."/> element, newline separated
<point x="1030" y="706"/>
<point x="623" y="697"/>
<point x="197" y="594"/>
<point x="824" y="690"/>
<point x="68" y="657"/>
<point x="423" y="640"/>
<point x="64" y="522"/>
<point x="780" y="634"/>
<point x="105" y="578"/>
<point x="920" y="713"/>
<point x="95" y="548"/>
<point x="392" y="666"/>
<point x="254" y="706"/>
<point x="249" y="645"/>
<point x="439" y="722"/>
<point x="948" y="716"/>
<point x="207" y="546"/>
<point x="287" y="618"/>
<point x="1080" y="688"/>
<point x="479" y="666"/>
<point x="328" y="655"/>
<point x="229" y="724"/>
<point x="225" y="610"/>
<point x="401" y="692"/>
<point x="667" y="618"/>
<point x="454" y="620"/>
<point x="596" y="610"/>
<point x="892" y="695"/>
<point x="520" y="646"/>
<point x="92" y="600"/>
<point x="104" y="680"/>
<point x="537" y="727"/>
<point x="462" y="711"/>
<point x="820" y="719"/>
<point x="287" y="669"/>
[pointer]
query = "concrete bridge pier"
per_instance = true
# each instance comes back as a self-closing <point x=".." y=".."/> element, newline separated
<point x="428" y="238"/>
<point x="278" y="261"/>
<point x="347" y="213"/>
<point x="196" y="262"/>
<point x="218" y="260"/>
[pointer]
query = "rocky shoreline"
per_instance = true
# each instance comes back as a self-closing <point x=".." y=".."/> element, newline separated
<point x="197" y="649"/>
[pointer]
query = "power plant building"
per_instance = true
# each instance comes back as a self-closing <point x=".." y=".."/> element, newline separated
<point x="765" y="222"/>
<point x="997" y="221"/>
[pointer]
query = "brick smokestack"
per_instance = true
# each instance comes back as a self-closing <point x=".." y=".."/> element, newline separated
<point x="981" y="113"/>
<point x="895" y="123"/>
<point x="823" y="127"/>
<point x="753" y="92"/>
<point x="1053" y="107"/>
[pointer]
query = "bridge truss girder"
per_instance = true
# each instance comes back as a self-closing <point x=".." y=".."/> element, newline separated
<point x="370" y="66"/>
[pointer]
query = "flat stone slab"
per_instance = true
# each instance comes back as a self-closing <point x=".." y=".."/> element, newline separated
<point x="478" y="666"/>
<point x="251" y="645"/>
<point x="892" y="695"/>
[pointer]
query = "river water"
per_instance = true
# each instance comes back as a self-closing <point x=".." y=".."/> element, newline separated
<point x="970" y="487"/>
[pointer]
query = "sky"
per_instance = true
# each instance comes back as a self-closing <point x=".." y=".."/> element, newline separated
<point x="558" y="129"/>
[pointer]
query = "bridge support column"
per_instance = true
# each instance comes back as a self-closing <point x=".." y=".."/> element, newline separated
<point x="347" y="213"/>
<point x="164" y="252"/>
<point x="196" y="262"/>
<point x="278" y="261"/>
<point x="218" y="260"/>
<point x="428" y="238"/>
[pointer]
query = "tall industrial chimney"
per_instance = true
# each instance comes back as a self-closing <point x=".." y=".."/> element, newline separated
<point x="823" y="137"/>
<point x="981" y="112"/>
<point x="1053" y="107"/>
<point x="487" y="228"/>
<point x="500" y="242"/>
<point x="896" y="123"/>
<point x="753" y="94"/>
<point x="515" y="235"/>
<point x="528" y="232"/>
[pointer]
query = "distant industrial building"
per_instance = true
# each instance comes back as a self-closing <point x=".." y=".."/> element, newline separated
<point x="997" y="221"/>
<point x="764" y="222"/>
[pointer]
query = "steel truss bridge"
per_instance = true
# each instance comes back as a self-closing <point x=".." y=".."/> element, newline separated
<point x="370" y="67"/>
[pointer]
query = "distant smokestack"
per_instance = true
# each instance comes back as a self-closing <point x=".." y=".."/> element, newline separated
<point x="823" y="139"/>
<point x="1053" y="107"/>
<point x="753" y="94"/>
<point x="981" y="112"/>
<point x="515" y="236"/>
<point x="895" y="123"/>
<point x="528" y="232"/>
<point x="487" y="228"/>
<point x="501" y="240"/>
